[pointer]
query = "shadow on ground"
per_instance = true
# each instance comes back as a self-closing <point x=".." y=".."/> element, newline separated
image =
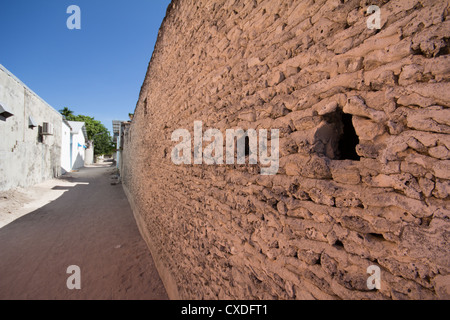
<point x="92" y="226"/>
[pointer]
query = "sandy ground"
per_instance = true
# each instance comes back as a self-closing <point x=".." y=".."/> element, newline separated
<point x="79" y="220"/>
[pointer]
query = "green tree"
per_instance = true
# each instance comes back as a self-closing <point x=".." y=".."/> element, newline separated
<point x="66" y="112"/>
<point x="96" y="131"/>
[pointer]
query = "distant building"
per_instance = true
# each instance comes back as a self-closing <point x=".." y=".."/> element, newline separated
<point x="117" y="138"/>
<point x="30" y="131"/>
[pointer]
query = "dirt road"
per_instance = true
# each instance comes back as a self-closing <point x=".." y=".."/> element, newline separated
<point x="91" y="226"/>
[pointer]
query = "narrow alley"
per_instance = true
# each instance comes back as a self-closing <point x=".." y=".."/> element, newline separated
<point x="91" y="226"/>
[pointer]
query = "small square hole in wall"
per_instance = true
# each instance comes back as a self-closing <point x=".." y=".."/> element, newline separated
<point x="344" y="144"/>
<point x="349" y="139"/>
<point x="246" y="140"/>
<point x="145" y="107"/>
<point x="247" y="146"/>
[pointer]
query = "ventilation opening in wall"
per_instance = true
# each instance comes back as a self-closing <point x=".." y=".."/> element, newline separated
<point x="247" y="146"/>
<point x="145" y="107"/>
<point x="349" y="139"/>
<point x="342" y="138"/>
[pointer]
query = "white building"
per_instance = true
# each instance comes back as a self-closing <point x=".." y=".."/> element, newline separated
<point x="66" y="149"/>
<point x="74" y="145"/>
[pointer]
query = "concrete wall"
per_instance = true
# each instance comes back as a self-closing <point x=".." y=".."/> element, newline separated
<point x="123" y="133"/>
<point x="117" y="156"/>
<point x="89" y="154"/>
<point x="24" y="160"/>
<point x="122" y="147"/>
<point x="313" y="70"/>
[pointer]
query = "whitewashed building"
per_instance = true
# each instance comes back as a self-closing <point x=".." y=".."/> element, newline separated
<point x="30" y="135"/>
<point x="77" y="143"/>
<point x="66" y="149"/>
<point x="73" y="145"/>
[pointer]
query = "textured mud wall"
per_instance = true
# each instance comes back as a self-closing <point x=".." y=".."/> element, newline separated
<point x="364" y="150"/>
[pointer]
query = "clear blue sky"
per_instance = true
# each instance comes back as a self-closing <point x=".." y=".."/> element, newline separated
<point x="96" y="71"/>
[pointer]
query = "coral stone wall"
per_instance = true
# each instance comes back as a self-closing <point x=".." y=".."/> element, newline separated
<point x="364" y="124"/>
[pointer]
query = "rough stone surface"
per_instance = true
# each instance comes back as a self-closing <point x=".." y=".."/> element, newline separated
<point x="312" y="230"/>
